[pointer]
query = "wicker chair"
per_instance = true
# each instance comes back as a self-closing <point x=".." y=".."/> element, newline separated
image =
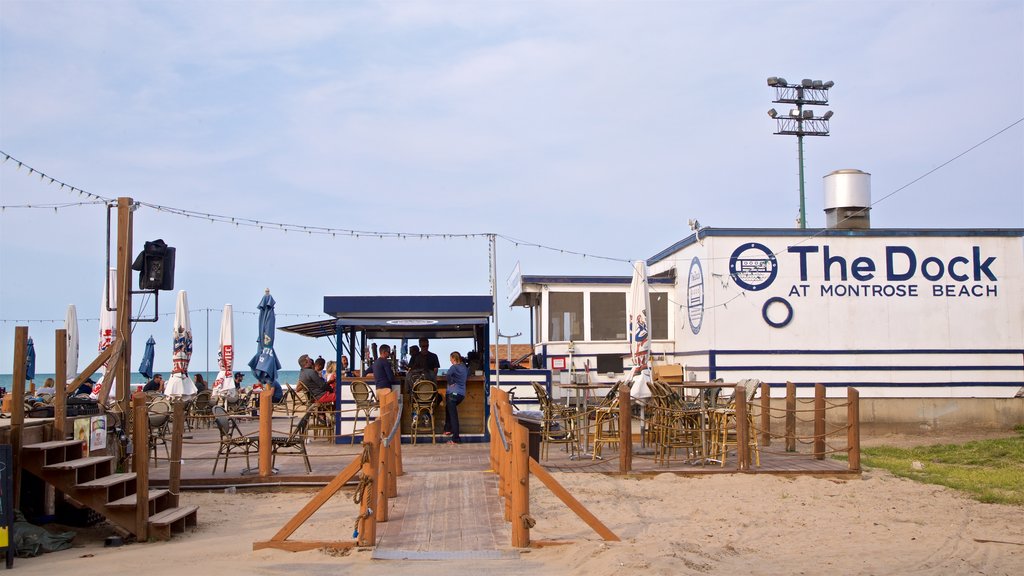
<point x="725" y="425"/>
<point x="366" y="401"/>
<point x="424" y="400"/>
<point x="559" y="424"/>
<point x="293" y="443"/>
<point x="231" y="439"/>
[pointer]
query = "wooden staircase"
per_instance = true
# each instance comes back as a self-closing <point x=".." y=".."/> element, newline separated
<point x="93" y="482"/>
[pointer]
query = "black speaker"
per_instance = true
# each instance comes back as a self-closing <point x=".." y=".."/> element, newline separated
<point x="155" y="265"/>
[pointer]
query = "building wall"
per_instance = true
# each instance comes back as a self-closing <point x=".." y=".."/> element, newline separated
<point x="894" y="313"/>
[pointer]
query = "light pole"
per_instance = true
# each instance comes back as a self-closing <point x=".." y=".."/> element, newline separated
<point x="800" y="122"/>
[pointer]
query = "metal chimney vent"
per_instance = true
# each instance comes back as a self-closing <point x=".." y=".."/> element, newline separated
<point x="848" y="200"/>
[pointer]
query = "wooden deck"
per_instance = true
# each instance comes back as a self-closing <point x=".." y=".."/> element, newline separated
<point x="326" y="458"/>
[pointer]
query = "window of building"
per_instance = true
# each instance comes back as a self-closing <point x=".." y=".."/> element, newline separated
<point x="659" y="316"/>
<point x="565" y="320"/>
<point x="608" y="316"/>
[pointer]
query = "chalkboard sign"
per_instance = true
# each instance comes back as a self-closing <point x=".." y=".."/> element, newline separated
<point x="7" y="503"/>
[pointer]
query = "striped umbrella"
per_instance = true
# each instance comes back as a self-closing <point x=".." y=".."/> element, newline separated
<point x="106" y="328"/>
<point x="71" y="327"/>
<point x="179" y="384"/>
<point x="225" y="353"/>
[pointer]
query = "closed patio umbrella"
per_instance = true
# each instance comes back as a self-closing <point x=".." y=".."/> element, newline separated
<point x="30" y="361"/>
<point x="71" y="327"/>
<point x="179" y="383"/>
<point x="638" y="326"/>
<point x="225" y="353"/>
<point x="106" y="328"/>
<point x="146" y="366"/>
<point x="265" y="363"/>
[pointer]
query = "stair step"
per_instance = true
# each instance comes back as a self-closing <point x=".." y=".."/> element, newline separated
<point x="52" y="444"/>
<point x="108" y="481"/>
<point x="80" y="463"/>
<point x="131" y="500"/>
<point x="171" y="515"/>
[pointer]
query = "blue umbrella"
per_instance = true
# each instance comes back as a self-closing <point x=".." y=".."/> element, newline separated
<point x="146" y="367"/>
<point x="30" y="361"/>
<point x="265" y="363"/>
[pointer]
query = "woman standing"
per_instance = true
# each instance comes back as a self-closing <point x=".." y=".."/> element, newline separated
<point x="454" y="394"/>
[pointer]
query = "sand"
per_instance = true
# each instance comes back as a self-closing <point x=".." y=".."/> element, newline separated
<point x="728" y="524"/>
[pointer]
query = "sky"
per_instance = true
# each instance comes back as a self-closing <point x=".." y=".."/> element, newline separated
<point x="586" y="127"/>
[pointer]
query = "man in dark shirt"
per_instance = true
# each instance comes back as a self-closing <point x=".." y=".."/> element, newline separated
<point x="155" y="385"/>
<point x="383" y="374"/>
<point x="428" y="361"/>
<point x="308" y="377"/>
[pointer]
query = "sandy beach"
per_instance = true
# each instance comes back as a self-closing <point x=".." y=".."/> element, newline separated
<point x="725" y="524"/>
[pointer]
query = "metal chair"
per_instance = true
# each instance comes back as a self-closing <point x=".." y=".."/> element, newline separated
<point x="231" y="439"/>
<point x="559" y="425"/>
<point x="366" y="401"/>
<point x="424" y="399"/>
<point x="293" y="443"/>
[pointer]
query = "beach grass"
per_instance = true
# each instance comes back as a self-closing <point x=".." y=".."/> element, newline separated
<point x="989" y="470"/>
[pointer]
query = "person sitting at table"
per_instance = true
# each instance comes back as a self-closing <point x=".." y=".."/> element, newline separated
<point x="154" y="385"/>
<point x="345" y="370"/>
<point x="200" y="383"/>
<point x="454" y="395"/>
<point x="310" y="379"/>
<point x="319" y="364"/>
<point x="85" y="387"/>
<point x="383" y="375"/>
<point x="48" y="388"/>
<point x="332" y="381"/>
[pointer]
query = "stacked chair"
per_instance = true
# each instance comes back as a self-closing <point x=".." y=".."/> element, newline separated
<point x="559" y="424"/>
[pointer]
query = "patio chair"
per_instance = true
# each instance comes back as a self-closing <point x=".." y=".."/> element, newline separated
<point x="366" y="402"/>
<point x="424" y="400"/>
<point x="606" y="422"/>
<point x="558" y="426"/>
<point x="231" y="439"/>
<point x="200" y="410"/>
<point x="159" y="412"/>
<point x="726" y="427"/>
<point x="293" y="443"/>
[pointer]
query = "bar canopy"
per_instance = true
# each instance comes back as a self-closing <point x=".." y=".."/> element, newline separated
<point x="381" y="317"/>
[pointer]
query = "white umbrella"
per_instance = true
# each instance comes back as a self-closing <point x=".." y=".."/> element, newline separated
<point x="71" y="327"/>
<point x="225" y="353"/>
<point x="638" y="326"/>
<point x="180" y="384"/>
<point x="106" y="329"/>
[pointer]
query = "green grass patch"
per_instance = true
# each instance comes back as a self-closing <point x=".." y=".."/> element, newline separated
<point x="988" y="470"/>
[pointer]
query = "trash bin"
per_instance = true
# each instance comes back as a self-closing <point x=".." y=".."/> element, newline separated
<point x="533" y="426"/>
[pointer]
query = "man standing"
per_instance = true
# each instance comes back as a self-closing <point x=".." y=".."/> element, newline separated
<point x="428" y="360"/>
<point x="383" y="374"/>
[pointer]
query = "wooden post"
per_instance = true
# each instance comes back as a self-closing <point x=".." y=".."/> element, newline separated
<point x="140" y="439"/>
<point x="177" y="433"/>
<point x="625" y="430"/>
<point x="742" y="429"/>
<point x="123" y="302"/>
<point x="853" y="427"/>
<point x="266" y="428"/>
<point x="383" y="474"/>
<point x="819" y="422"/>
<point x="367" y="519"/>
<point x="60" y="378"/>
<point x="766" y="414"/>
<point x="790" y="417"/>
<point x="17" y="404"/>
<point x="520" y="486"/>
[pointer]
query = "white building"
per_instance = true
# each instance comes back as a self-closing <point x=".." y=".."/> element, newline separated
<point x="893" y="312"/>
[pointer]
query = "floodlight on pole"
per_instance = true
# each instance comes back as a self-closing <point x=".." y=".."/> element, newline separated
<point x="801" y="122"/>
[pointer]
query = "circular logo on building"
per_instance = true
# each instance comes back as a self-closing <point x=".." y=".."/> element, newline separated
<point x="753" y="266"/>
<point x="695" y="295"/>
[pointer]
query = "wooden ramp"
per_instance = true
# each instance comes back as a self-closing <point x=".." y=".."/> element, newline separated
<point x="446" y="515"/>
